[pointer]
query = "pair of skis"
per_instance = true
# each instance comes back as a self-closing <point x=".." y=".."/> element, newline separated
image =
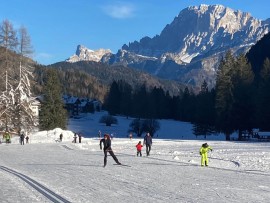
<point x="122" y="165"/>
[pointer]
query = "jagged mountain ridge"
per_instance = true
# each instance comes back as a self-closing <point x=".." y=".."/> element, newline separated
<point x="198" y="30"/>
<point x="85" y="54"/>
<point x="189" y="49"/>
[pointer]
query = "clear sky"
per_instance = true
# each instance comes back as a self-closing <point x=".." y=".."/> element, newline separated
<point x="56" y="27"/>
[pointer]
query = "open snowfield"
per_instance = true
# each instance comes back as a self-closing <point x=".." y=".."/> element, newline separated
<point x="49" y="171"/>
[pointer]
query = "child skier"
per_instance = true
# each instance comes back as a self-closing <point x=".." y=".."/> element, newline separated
<point x="204" y="154"/>
<point x="139" y="148"/>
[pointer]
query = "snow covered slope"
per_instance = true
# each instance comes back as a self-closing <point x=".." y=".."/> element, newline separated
<point x="68" y="172"/>
<point x="50" y="171"/>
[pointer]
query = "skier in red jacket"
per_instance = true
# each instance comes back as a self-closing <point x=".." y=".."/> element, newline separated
<point x="139" y="148"/>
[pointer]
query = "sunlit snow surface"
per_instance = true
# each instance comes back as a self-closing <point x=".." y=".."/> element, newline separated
<point x="50" y="171"/>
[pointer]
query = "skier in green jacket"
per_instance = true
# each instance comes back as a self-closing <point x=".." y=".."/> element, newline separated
<point x="7" y="137"/>
<point x="204" y="154"/>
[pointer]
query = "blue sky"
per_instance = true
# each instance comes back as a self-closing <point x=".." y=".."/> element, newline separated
<point x="56" y="27"/>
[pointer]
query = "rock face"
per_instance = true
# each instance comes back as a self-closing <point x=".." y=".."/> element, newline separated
<point x="85" y="54"/>
<point x="190" y="47"/>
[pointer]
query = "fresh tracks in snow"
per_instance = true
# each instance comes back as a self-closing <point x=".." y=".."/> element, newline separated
<point x="37" y="186"/>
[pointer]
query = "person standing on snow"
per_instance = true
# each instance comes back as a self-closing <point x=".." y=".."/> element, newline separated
<point x="204" y="154"/>
<point x="27" y="138"/>
<point x="7" y="137"/>
<point x="75" y="138"/>
<point x="22" y="138"/>
<point x="148" y="143"/>
<point x="61" y="137"/>
<point x="107" y="148"/>
<point x="80" y="138"/>
<point x="139" y="148"/>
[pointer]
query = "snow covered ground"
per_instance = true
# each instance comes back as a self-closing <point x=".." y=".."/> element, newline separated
<point x="88" y="125"/>
<point x="50" y="171"/>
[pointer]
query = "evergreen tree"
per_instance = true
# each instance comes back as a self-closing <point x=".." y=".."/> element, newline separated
<point x="263" y="98"/>
<point x="224" y="95"/>
<point x="243" y="105"/>
<point x="140" y="103"/>
<point x="125" y="99"/>
<point x="112" y="103"/>
<point x="187" y="106"/>
<point x="158" y="103"/>
<point x="203" y="121"/>
<point x="175" y="107"/>
<point x="52" y="114"/>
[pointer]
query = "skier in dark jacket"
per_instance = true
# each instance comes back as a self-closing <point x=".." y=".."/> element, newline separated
<point x="107" y="148"/>
<point x="148" y="143"/>
<point x="22" y="138"/>
<point x="61" y="137"/>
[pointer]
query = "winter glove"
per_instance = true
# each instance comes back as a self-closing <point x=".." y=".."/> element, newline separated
<point x="211" y="150"/>
<point x="100" y="148"/>
<point x="200" y="153"/>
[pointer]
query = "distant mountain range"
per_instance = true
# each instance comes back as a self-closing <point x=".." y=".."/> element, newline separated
<point x="189" y="48"/>
<point x="85" y="54"/>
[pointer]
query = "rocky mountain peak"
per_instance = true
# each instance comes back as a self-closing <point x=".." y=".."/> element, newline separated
<point x="84" y="54"/>
<point x="200" y="29"/>
<point x="190" y="47"/>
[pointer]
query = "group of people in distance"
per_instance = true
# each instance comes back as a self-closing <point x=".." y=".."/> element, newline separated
<point x="106" y="141"/>
<point x="22" y="137"/>
<point x="7" y="138"/>
<point x="147" y="142"/>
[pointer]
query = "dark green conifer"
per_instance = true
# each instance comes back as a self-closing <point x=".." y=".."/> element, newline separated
<point x="52" y="114"/>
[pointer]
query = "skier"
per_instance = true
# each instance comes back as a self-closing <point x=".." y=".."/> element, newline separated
<point x="107" y="148"/>
<point x="27" y="138"/>
<point x="61" y="137"/>
<point x="80" y="138"/>
<point x="139" y="148"/>
<point x="204" y="154"/>
<point x="75" y="138"/>
<point x="148" y="143"/>
<point x="7" y="137"/>
<point x="22" y="138"/>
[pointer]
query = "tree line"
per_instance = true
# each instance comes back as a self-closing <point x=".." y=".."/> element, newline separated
<point x="239" y="101"/>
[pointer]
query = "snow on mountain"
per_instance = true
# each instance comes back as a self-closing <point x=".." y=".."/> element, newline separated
<point x="85" y="54"/>
<point x="189" y="48"/>
<point x="206" y="27"/>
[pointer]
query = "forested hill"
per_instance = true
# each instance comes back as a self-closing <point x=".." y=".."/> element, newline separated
<point x="258" y="53"/>
<point x="86" y="79"/>
<point x="79" y="74"/>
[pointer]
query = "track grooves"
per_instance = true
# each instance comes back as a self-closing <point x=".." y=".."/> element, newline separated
<point x="37" y="186"/>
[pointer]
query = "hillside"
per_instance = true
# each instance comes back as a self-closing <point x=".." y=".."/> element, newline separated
<point x="105" y="74"/>
<point x="259" y="52"/>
